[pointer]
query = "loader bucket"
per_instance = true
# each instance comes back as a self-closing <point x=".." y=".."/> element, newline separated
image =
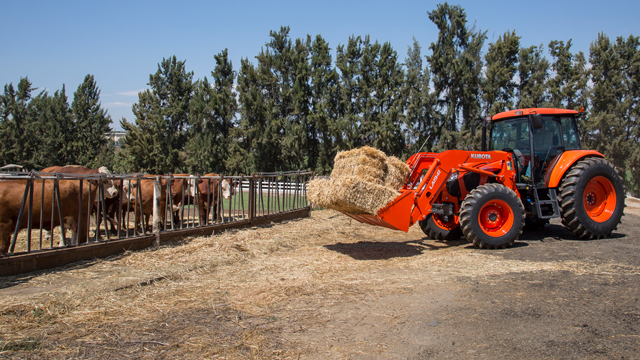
<point x="396" y="215"/>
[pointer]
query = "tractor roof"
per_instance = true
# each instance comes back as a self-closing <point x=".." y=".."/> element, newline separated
<point x="525" y="112"/>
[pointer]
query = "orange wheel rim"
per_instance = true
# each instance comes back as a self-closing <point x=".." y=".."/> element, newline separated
<point x="448" y="225"/>
<point x="496" y="218"/>
<point x="599" y="199"/>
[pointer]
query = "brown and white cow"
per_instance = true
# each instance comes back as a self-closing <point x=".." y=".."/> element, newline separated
<point x="110" y="186"/>
<point x="110" y="190"/>
<point x="147" y="184"/>
<point x="208" y="196"/>
<point x="12" y="192"/>
<point x="183" y="192"/>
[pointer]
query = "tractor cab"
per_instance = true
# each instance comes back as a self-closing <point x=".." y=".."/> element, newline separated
<point x="537" y="138"/>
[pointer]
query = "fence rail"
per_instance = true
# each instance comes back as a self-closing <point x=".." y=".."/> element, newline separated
<point x="49" y="216"/>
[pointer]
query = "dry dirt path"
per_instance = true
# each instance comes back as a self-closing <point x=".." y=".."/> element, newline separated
<point x="330" y="288"/>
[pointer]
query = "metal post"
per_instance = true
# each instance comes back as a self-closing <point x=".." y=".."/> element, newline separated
<point x="104" y="207"/>
<point x="252" y="197"/>
<point x="20" y="213"/>
<point x="42" y="214"/>
<point x="80" y="209"/>
<point x="30" y="217"/>
<point x="119" y="204"/>
<point x="56" y="193"/>
<point x="156" y="210"/>
<point x="139" y="202"/>
<point x="169" y="201"/>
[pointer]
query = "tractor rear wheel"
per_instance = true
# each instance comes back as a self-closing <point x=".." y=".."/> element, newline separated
<point x="436" y="228"/>
<point x="591" y="199"/>
<point x="492" y="216"/>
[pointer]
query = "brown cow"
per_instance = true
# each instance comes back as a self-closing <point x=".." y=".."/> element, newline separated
<point x="146" y="197"/>
<point x="110" y="187"/>
<point x="112" y="205"/>
<point x="110" y="190"/>
<point x="11" y="194"/>
<point x="182" y="192"/>
<point x="208" y="197"/>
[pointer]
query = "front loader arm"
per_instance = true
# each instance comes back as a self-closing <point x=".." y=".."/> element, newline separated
<point x="416" y="202"/>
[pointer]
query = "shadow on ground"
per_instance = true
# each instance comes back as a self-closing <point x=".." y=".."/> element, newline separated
<point x="375" y="250"/>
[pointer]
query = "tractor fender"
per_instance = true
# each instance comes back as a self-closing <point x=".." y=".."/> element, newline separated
<point x="564" y="162"/>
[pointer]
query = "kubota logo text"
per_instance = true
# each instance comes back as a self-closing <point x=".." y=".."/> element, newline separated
<point x="481" y="156"/>
<point x="433" y="182"/>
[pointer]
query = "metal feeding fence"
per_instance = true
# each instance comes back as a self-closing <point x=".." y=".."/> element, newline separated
<point x="51" y="219"/>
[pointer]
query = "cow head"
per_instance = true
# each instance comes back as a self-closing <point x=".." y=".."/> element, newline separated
<point x="227" y="190"/>
<point x="109" y="187"/>
<point x="128" y="194"/>
<point x="193" y="186"/>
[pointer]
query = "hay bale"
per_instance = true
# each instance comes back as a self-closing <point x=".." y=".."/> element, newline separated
<point x="397" y="171"/>
<point x="365" y="150"/>
<point x="366" y="162"/>
<point x="350" y="194"/>
<point x="363" y="181"/>
<point x="318" y="192"/>
<point x="370" y="169"/>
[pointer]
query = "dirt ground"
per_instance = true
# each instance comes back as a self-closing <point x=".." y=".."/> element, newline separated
<point x="327" y="287"/>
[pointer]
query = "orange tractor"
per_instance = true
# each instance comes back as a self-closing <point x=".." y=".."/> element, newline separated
<point x="534" y="170"/>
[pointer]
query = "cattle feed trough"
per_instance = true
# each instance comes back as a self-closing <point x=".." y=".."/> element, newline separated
<point x="145" y="210"/>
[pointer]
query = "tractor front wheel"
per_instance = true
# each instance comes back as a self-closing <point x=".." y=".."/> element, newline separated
<point x="437" y="228"/>
<point x="591" y="199"/>
<point x="492" y="216"/>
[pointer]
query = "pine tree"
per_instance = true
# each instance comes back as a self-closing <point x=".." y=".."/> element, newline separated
<point x="323" y="106"/>
<point x="211" y="117"/>
<point x="388" y="104"/>
<point x="499" y="85"/>
<point x="91" y="125"/>
<point x="419" y="104"/>
<point x="298" y="145"/>
<point x="568" y="86"/>
<point x="254" y="140"/>
<point x="13" y="124"/>
<point x="158" y="135"/>
<point x="612" y="126"/>
<point x="348" y="125"/>
<point x="533" y="71"/>
<point x="456" y="66"/>
<point x="50" y="131"/>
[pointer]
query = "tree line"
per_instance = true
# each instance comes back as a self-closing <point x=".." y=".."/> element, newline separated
<point x="297" y="104"/>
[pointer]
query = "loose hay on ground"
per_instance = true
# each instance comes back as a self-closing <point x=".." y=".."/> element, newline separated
<point x="237" y="294"/>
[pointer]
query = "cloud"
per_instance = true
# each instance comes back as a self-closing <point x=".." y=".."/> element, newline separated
<point x="117" y="104"/>
<point x="131" y="93"/>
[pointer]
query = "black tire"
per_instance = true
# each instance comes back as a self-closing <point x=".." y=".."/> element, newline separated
<point x="580" y="178"/>
<point x="491" y="198"/>
<point x="432" y="230"/>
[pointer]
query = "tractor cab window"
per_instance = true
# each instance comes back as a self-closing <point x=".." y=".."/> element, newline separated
<point x="570" y="134"/>
<point x="547" y="145"/>
<point x="513" y="136"/>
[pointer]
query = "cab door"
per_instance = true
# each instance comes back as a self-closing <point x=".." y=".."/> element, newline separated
<point x="514" y="135"/>
<point x="547" y="145"/>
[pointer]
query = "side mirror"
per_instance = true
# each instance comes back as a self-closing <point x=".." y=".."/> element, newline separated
<point x="537" y="121"/>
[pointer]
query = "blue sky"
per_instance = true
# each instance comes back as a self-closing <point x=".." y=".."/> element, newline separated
<point x="121" y="42"/>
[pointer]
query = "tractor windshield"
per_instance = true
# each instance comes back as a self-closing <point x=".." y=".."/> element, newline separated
<point x="555" y="136"/>
<point x="513" y="135"/>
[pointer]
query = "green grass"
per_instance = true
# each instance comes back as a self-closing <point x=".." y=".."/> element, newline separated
<point x="267" y="203"/>
<point x="287" y="202"/>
